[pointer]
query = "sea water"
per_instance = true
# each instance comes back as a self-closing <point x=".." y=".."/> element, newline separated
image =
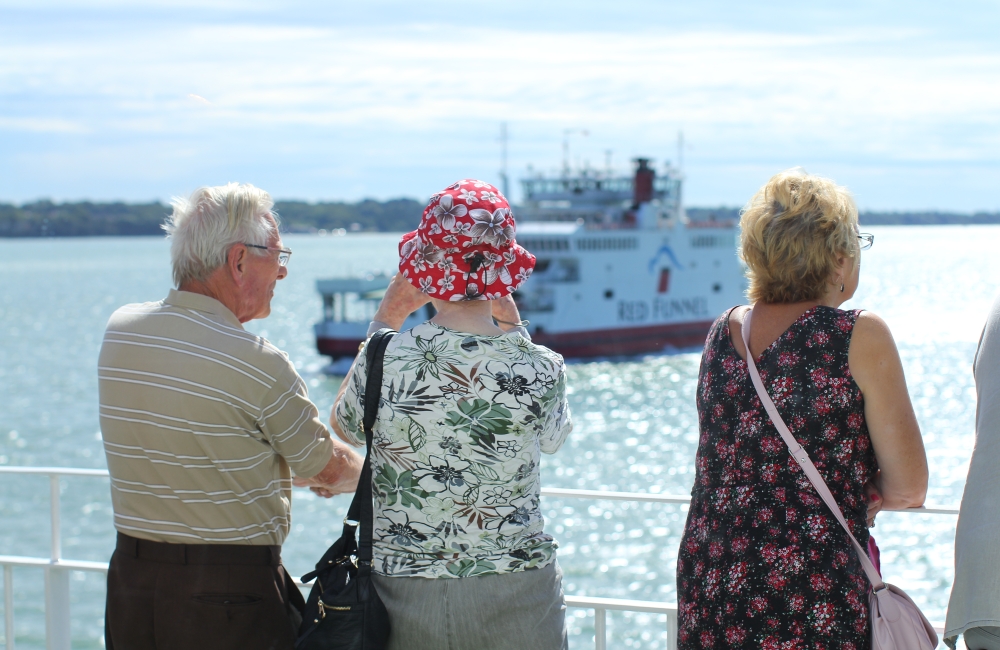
<point x="635" y="420"/>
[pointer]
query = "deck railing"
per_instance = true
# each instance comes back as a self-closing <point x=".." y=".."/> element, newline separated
<point x="57" y="569"/>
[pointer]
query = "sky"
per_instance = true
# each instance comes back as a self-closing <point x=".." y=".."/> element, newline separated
<point x="138" y="101"/>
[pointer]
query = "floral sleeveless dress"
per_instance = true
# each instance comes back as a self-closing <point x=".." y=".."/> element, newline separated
<point x="763" y="563"/>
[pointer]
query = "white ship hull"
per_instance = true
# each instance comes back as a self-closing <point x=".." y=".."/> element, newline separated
<point x="606" y="292"/>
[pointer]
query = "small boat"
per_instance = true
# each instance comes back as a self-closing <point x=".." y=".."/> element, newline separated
<point x="621" y="270"/>
<point x="348" y="307"/>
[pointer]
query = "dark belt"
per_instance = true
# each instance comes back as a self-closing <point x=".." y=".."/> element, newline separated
<point x="162" y="552"/>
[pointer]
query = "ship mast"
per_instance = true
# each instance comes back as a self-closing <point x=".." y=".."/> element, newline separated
<point x="566" y="134"/>
<point x="503" y="160"/>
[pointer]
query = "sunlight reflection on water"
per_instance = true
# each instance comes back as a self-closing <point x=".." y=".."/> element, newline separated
<point x="636" y="425"/>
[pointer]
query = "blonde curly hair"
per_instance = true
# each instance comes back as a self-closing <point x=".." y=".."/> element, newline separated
<point x="793" y="231"/>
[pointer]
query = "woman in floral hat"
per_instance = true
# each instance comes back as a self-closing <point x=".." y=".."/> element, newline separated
<point x="468" y="404"/>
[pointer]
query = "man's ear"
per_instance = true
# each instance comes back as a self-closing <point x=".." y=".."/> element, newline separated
<point x="236" y="261"/>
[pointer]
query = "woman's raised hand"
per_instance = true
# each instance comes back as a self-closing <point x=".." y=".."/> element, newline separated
<point x="400" y="300"/>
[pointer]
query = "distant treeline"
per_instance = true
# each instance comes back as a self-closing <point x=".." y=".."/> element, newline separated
<point x="874" y="218"/>
<point x="47" y="219"/>
<point x="44" y="218"/>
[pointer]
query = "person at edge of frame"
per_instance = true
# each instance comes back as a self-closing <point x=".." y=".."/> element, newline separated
<point x="974" y="605"/>
<point x="203" y="423"/>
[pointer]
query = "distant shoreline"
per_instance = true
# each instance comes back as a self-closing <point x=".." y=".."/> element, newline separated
<point x="878" y="218"/>
<point x="86" y="219"/>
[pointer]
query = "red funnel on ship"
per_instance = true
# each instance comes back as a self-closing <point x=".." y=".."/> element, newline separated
<point x="642" y="188"/>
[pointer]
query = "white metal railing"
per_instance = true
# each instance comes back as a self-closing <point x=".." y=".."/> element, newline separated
<point x="57" y="569"/>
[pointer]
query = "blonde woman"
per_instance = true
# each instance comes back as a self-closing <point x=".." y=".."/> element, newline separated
<point x="763" y="563"/>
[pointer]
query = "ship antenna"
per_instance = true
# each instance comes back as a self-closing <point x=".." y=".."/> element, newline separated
<point x="566" y="134"/>
<point x="680" y="151"/>
<point x="503" y="159"/>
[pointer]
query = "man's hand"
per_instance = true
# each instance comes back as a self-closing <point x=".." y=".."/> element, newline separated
<point x="400" y="300"/>
<point x="339" y="476"/>
<point x="319" y="491"/>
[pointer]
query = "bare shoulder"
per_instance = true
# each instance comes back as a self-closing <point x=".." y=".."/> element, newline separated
<point x="870" y="332"/>
<point x="872" y="351"/>
<point x="737" y="316"/>
<point x="736" y="319"/>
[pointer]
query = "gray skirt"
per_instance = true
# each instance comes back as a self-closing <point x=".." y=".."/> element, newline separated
<point x="505" y="611"/>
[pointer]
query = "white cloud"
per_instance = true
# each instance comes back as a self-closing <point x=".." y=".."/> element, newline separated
<point x="40" y="125"/>
<point x="876" y="96"/>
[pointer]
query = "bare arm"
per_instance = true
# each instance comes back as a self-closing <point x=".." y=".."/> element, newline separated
<point x="899" y="448"/>
<point x="344" y="467"/>
<point x="340" y="396"/>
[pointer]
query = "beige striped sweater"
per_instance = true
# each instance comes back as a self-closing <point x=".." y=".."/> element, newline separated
<point x="202" y="422"/>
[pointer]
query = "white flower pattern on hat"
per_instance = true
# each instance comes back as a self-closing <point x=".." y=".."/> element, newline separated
<point x="446" y="212"/>
<point x="489" y="228"/>
<point x="447" y="282"/>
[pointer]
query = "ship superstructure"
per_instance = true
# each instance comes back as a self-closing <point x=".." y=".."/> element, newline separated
<point x="621" y="269"/>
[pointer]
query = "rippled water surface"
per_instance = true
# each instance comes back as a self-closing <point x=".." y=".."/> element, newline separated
<point x="636" y="426"/>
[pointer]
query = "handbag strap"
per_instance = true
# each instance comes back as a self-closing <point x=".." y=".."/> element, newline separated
<point x="362" y="510"/>
<point x="800" y="455"/>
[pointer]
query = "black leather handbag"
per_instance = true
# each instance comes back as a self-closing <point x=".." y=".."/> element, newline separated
<point x="344" y="612"/>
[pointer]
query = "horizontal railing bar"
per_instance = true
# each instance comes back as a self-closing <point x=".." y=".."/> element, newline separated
<point x="926" y="510"/>
<point x="58" y="471"/>
<point x="620" y="604"/>
<point x="72" y="565"/>
<point x="682" y="499"/>
<point x="587" y="602"/>
<point x="546" y="492"/>
<point x="615" y="496"/>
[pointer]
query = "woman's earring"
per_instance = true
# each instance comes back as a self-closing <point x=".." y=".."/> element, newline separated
<point x="841" y="287"/>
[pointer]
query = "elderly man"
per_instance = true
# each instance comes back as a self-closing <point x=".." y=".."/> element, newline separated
<point x="203" y="423"/>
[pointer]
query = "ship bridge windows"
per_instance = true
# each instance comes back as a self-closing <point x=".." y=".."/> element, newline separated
<point x="532" y="245"/>
<point x="711" y="241"/>
<point x="531" y="298"/>
<point x="607" y="243"/>
<point x="560" y="269"/>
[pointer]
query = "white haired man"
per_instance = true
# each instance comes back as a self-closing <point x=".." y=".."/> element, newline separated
<point x="203" y="423"/>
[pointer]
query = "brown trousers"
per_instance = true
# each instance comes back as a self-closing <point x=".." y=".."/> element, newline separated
<point x="190" y="596"/>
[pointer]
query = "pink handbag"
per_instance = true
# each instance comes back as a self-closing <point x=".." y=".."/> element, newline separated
<point x="897" y="623"/>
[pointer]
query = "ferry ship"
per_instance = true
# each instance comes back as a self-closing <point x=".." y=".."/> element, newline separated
<point x="621" y="269"/>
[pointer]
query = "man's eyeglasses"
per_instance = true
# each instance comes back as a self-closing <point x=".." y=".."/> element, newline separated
<point x="284" y="254"/>
<point x="866" y="240"/>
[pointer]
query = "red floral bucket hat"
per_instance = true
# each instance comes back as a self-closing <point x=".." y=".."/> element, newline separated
<point x="464" y="247"/>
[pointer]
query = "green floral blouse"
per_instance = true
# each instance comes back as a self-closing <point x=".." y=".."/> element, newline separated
<point x="462" y="422"/>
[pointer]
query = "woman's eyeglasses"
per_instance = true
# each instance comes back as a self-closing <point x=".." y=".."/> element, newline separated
<point x="866" y="240"/>
<point x="284" y="253"/>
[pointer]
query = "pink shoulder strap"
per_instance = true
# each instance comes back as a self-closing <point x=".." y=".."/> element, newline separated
<point x="800" y="455"/>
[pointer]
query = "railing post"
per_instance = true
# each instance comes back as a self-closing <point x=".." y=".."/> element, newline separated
<point x="8" y="606"/>
<point x="57" y="635"/>
<point x="56" y="549"/>
<point x="600" y="628"/>
<point x="672" y="630"/>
